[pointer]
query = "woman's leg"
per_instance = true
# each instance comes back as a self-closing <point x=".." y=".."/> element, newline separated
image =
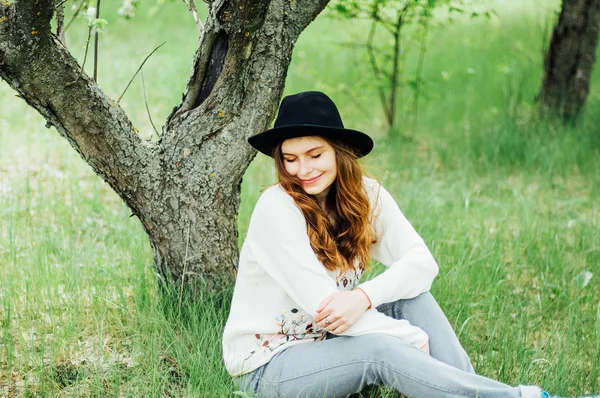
<point x="342" y="366"/>
<point x="424" y="312"/>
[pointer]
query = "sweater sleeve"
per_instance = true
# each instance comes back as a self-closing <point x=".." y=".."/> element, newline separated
<point x="411" y="267"/>
<point x="280" y="245"/>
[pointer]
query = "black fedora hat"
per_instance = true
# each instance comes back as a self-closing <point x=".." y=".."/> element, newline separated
<point x="306" y="114"/>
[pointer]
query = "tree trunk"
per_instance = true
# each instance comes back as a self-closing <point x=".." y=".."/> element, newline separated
<point x="570" y="59"/>
<point x="185" y="189"/>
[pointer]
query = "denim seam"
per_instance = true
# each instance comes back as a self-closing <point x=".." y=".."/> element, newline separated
<point x="376" y="363"/>
<point x="429" y="385"/>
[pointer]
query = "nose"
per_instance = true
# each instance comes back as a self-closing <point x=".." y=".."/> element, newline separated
<point x="305" y="168"/>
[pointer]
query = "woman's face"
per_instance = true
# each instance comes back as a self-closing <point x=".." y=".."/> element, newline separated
<point x="312" y="160"/>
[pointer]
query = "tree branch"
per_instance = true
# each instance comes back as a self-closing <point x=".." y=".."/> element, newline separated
<point x="238" y="18"/>
<point x="395" y="65"/>
<point x="75" y="14"/>
<point x="40" y="69"/>
<point x="60" y="22"/>
<point x="194" y="172"/>
<point x="243" y="98"/>
<point x="419" y="72"/>
<point x="378" y="73"/>
<point x="371" y="52"/>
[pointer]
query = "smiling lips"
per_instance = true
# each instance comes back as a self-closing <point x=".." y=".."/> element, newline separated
<point x="311" y="180"/>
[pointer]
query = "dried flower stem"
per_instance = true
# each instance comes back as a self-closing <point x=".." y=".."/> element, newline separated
<point x="146" y="103"/>
<point x="87" y="46"/>
<point x="96" y="44"/>
<point x="138" y="70"/>
<point x="192" y="8"/>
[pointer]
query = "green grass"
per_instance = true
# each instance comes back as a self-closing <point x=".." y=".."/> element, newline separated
<point x="508" y="203"/>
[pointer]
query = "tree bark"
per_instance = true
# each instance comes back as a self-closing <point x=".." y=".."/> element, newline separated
<point x="570" y="59"/>
<point x="185" y="189"/>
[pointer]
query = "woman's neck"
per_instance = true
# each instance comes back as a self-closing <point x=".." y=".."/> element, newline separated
<point x="322" y="199"/>
<point x="322" y="203"/>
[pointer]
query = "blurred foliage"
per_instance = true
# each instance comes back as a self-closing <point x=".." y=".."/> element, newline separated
<point x="405" y="25"/>
<point x="128" y="8"/>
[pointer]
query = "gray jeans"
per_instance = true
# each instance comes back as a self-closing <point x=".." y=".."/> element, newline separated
<point x="340" y="366"/>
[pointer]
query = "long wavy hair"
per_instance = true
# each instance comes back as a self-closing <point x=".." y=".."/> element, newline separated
<point x="342" y="233"/>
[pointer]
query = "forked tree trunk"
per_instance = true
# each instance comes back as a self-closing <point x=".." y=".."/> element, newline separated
<point x="570" y="59"/>
<point x="185" y="189"/>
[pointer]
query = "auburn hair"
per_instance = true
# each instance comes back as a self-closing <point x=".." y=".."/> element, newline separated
<point x="342" y="233"/>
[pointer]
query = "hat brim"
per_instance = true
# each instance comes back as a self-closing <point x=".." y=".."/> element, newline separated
<point x="266" y="141"/>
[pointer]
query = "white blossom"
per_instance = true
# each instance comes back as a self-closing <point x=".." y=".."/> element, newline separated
<point x="127" y="10"/>
<point x="91" y="15"/>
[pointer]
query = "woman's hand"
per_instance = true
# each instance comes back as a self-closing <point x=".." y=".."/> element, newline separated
<point x="342" y="310"/>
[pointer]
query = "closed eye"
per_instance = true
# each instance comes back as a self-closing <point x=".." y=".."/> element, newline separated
<point x="316" y="156"/>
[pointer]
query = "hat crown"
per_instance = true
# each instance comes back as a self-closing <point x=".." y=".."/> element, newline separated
<point x="309" y="113"/>
<point x="311" y="108"/>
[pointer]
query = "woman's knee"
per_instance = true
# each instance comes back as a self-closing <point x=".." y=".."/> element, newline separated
<point x="380" y="348"/>
<point x="416" y="307"/>
<point x="424" y="301"/>
<point x="373" y="345"/>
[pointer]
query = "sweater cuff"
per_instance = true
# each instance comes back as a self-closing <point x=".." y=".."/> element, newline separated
<point x="422" y="339"/>
<point x="419" y="338"/>
<point x="372" y="292"/>
<point x="367" y="296"/>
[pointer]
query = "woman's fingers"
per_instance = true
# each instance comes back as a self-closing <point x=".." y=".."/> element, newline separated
<point x="320" y="316"/>
<point x="323" y="322"/>
<point x="324" y="303"/>
<point x="329" y="321"/>
<point x="334" y="325"/>
<point x="339" y="329"/>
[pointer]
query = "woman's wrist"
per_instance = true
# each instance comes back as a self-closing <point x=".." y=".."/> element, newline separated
<point x="366" y="296"/>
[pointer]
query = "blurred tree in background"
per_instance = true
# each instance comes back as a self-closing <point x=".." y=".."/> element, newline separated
<point x="570" y="59"/>
<point x="184" y="188"/>
<point x="386" y="57"/>
<point x="405" y="25"/>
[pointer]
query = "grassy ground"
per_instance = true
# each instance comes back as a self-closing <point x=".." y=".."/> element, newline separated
<point x="508" y="204"/>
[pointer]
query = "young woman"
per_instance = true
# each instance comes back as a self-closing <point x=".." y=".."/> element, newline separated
<point x="300" y="324"/>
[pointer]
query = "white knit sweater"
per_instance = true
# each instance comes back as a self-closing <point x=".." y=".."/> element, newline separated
<point x="280" y="281"/>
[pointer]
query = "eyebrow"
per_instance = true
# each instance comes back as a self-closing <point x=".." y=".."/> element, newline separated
<point x="310" y="150"/>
